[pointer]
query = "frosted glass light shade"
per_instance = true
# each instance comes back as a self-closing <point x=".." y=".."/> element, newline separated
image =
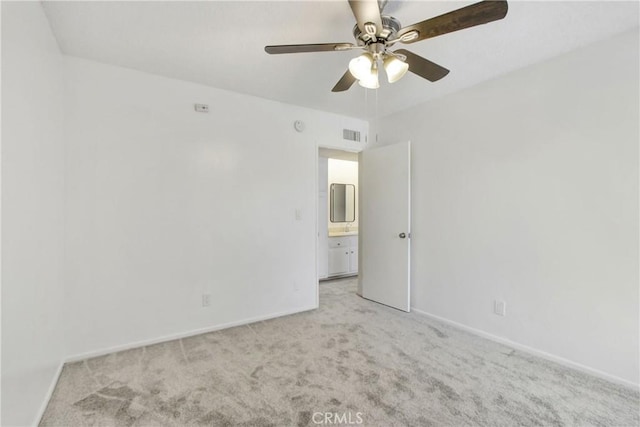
<point x="395" y="68"/>
<point x="370" y="81"/>
<point x="360" y="67"/>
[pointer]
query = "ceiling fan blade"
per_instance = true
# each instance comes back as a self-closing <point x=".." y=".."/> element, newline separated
<point x="366" y="11"/>
<point x="423" y="67"/>
<point x="344" y="83"/>
<point x="298" y="48"/>
<point x="469" y="16"/>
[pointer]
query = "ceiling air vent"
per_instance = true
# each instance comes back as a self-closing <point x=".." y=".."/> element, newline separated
<point x="351" y="135"/>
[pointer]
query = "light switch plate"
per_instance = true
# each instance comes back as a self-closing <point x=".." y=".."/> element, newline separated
<point x="500" y="308"/>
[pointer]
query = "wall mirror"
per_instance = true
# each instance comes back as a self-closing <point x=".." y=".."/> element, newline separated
<point x="343" y="203"/>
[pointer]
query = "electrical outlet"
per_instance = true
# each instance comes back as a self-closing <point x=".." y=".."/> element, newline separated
<point x="296" y="288"/>
<point x="500" y="308"/>
<point x="206" y="300"/>
<point x="298" y="214"/>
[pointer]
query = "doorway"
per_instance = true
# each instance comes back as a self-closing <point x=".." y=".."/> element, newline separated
<point x="377" y="247"/>
<point x="338" y="216"/>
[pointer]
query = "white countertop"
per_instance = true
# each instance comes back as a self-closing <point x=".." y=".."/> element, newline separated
<point x="337" y="233"/>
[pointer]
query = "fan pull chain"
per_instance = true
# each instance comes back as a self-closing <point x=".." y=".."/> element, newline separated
<point x="377" y="115"/>
<point x="366" y="101"/>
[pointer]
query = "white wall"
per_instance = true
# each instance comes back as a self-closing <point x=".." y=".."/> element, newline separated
<point x="525" y="188"/>
<point x="165" y="204"/>
<point x="343" y="172"/>
<point x="121" y="206"/>
<point x="32" y="210"/>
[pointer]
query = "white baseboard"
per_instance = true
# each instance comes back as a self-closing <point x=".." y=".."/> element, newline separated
<point x="185" y="334"/>
<point x="548" y="356"/>
<point x="47" y="397"/>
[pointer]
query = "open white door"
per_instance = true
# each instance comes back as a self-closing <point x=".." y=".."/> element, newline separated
<point x="385" y="218"/>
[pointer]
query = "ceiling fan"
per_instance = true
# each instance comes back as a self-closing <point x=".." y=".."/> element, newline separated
<point x="376" y="34"/>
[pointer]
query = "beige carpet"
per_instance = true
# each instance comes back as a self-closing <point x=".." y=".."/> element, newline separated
<point x="351" y="360"/>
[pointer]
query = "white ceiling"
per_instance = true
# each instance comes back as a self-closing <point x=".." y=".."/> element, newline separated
<point x="220" y="44"/>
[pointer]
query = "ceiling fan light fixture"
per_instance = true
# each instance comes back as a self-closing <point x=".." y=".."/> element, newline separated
<point x="394" y="68"/>
<point x="376" y="33"/>
<point x="371" y="81"/>
<point x="360" y="66"/>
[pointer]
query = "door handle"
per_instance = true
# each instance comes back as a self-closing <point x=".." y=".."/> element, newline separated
<point x="402" y="235"/>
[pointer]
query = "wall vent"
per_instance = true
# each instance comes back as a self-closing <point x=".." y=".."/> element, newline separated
<point x="351" y="135"/>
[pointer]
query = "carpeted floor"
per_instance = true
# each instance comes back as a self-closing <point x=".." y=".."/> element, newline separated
<point x="351" y="360"/>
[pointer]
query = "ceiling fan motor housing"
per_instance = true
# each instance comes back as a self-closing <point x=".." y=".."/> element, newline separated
<point x="390" y="27"/>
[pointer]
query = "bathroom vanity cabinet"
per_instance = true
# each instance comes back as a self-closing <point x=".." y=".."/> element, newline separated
<point x="343" y="255"/>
